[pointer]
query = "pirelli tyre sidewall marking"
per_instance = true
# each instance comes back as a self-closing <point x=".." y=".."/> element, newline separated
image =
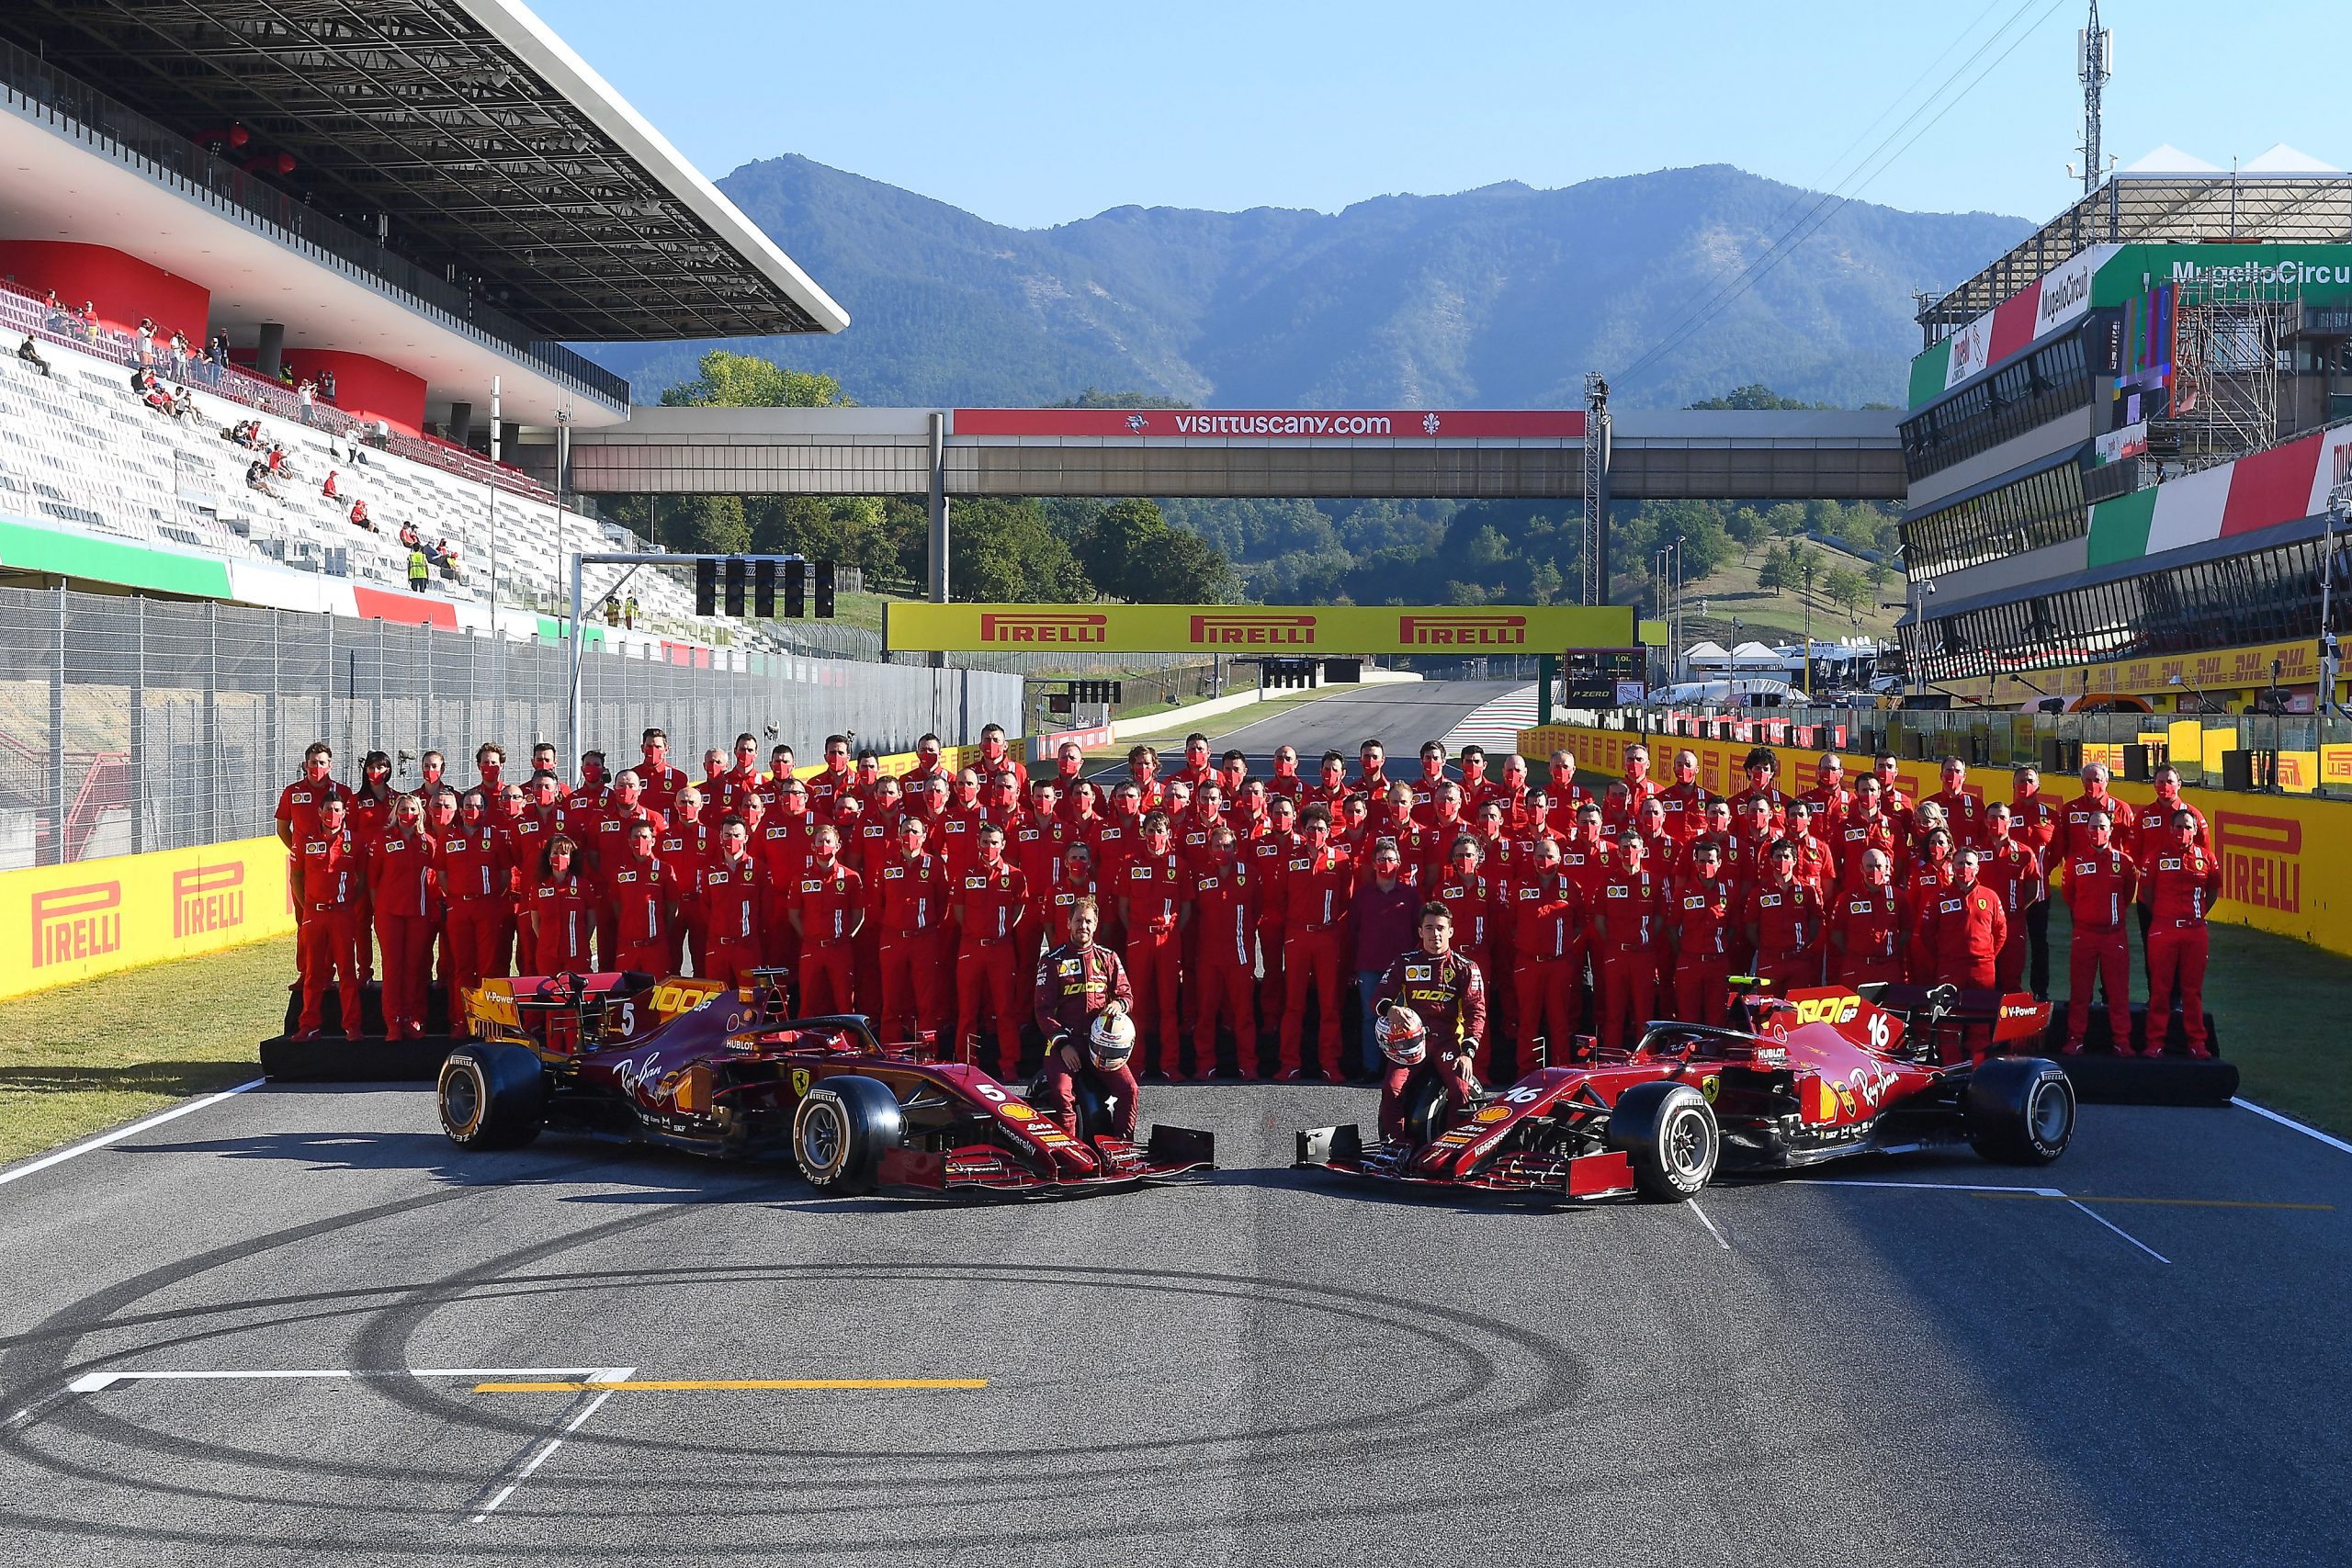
<point x="821" y="1137"/>
<point x="464" y="1068"/>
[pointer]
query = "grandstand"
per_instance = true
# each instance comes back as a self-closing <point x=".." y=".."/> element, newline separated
<point x="418" y="199"/>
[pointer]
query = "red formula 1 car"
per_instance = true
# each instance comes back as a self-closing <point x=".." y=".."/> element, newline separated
<point x="1814" y="1075"/>
<point x="716" y="1070"/>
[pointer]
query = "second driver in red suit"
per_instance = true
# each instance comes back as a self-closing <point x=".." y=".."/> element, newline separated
<point x="1443" y="993"/>
<point x="1082" y="1004"/>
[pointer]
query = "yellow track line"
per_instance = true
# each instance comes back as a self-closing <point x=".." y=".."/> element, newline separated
<point x="2166" y="1202"/>
<point x="702" y="1385"/>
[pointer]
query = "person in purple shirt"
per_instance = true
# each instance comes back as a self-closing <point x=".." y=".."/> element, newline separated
<point x="1386" y="917"/>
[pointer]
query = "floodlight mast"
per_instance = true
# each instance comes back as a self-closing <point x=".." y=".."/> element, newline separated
<point x="575" y="634"/>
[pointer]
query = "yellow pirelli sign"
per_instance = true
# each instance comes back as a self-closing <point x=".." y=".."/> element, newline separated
<point x="1278" y="629"/>
<point x="60" y="924"/>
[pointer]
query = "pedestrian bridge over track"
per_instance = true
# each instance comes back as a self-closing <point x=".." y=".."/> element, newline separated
<point x="1465" y="455"/>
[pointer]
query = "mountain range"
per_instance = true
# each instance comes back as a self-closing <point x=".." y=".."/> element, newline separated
<point x="1500" y="297"/>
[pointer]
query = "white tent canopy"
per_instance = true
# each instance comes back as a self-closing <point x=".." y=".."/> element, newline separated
<point x="1713" y="652"/>
<point x="2168" y="159"/>
<point x="2281" y="159"/>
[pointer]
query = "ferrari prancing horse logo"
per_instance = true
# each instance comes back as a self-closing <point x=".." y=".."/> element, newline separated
<point x="801" y="1081"/>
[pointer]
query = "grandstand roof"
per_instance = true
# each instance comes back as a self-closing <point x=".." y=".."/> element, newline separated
<point x="2171" y="205"/>
<point x="486" y="144"/>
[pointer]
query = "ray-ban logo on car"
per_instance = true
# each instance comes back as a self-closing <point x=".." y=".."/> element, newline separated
<point x="77" y="922"/>
<point x="1042" y="627"/>
<point x="1461" y="631"/>
<point x="208" y="898"/>
<point x="1219" y="630"/>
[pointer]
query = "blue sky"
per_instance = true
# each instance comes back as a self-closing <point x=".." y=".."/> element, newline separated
<point x="1032" y="114"/>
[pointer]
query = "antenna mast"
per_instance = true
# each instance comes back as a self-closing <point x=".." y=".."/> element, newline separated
<point x="2094" y="62"/>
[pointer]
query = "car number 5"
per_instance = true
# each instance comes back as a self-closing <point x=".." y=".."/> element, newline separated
<point x="628" y="1019"/>
<point x="988" y="1092"/>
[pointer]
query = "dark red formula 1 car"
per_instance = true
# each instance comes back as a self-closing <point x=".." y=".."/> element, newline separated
<point x="1814" y="1075"/>
<point x="716" y="1071"/>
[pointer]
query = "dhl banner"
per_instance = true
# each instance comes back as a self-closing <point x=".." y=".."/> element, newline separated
<point x="1277" y="629"/>
<point x="63" y="923"/>
<point x="2286" y="861"/>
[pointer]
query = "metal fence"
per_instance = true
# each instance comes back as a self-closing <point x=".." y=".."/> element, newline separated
<point x="130" y="724"/>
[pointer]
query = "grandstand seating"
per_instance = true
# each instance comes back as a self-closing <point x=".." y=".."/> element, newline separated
<point x="80" y="451"/>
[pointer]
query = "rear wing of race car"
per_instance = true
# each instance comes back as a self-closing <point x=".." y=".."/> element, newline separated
<point x="2015" y="1016"/>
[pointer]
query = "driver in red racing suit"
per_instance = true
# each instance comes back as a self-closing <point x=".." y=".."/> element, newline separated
<point x="1448" y="995"/>
<point x="1078" y="983"/>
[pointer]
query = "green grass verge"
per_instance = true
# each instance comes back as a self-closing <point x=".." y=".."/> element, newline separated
<point x="86" y="1057"/>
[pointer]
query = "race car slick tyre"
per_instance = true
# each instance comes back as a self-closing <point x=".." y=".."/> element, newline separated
<point x="1668" y="1130"/>
<point x="1425" y="1111"/>
<point x="1093" y="1116"/>
<point x="492" y="1097"/>
<point x="2019" y="1110"/>
<point x="842" y="1130"/>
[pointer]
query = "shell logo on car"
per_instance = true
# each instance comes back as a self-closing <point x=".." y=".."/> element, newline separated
<point x="1017" y="1112"/>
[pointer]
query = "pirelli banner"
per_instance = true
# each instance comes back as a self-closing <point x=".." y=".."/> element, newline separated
<point x="63" y="923"/>
<point x="2286" y="861"/>
<point x="1281" y="629"/>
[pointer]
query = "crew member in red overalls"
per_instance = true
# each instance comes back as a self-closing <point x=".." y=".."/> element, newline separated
<point x="1963" y="813"/>
<point x="1311" y="901"/>
<point x="2034" y="821"/>
<point x="1684" y="801"/>
<point x="1268" y="854"/>
<point x="1784" y="923"/>
<point x="990" y="898"/>
<point x="2101" y="883"/>
<point x="2012" y="870"/>
<point x="732" y="896"/>
<point x="643" y="891"/>
<point x="1830" y="796"/>
<point x="1701" y="920"/>
<point x="1628" y="920"/>
<point x="1285" y="784"/>
<point x="1761" y="767"/>
<point x="1547" y="950"/>
<point x="661" y="782"/>
<point x="300" y="806"/>
<point x="687" y="847"/>
<point x="827" y="907"/>
<point x="1964" y="926"/>
<point x="1225" y="901"/>
<point x="2180" y="886"/>
<point x="1868" y="926"/>
<point x="480" y="884"/>
<point x="402" y="896"/>
<point x="1152" y="883"/>
<point x="329" y="868"/>
<point x="561" y="912"/>
<point x="913" y="891"/>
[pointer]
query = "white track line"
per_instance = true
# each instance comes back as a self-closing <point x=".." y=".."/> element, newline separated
<point x="2262" y="1111"/>
<point x="103" y="1139"/>
<point x="1720" y="1239"/>
<point x="2121" y="1232"/>
<point x="1937" y="1187"/>
<point x="93" y="1382"/>
<point x="605" y="1374"/>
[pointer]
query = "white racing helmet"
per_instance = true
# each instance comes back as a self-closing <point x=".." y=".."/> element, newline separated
<point x="1111" y="1040"/>
<point x="1401" y="1036"/>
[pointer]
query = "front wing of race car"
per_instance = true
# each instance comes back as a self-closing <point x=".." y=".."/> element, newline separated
<point x="1170" y="1155"/>
<point x="1455" y="1161"/>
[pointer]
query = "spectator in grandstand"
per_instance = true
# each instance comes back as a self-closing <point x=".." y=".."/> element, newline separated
<point x="87" y="322"/>
<point x="417" y="569"/>
<point x="183" y="403"/>
<point x="327" y="489"/>
<point x="143" y="340"/>
<point x="629" y="612"/>
<point x="306" y="393"/>
<point x="258" y="476"/>
<point x="410" y="539"/>
<point x="449" y="567"/>
<point x="60" y="319"/>
<point x="175" y="354"/>
<point x="152" y="393"/>
<point x="327" y="385"/>
<point x="285" y="377"/>
<point x="31" y="355"/>
<point x="612" y="610"/>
